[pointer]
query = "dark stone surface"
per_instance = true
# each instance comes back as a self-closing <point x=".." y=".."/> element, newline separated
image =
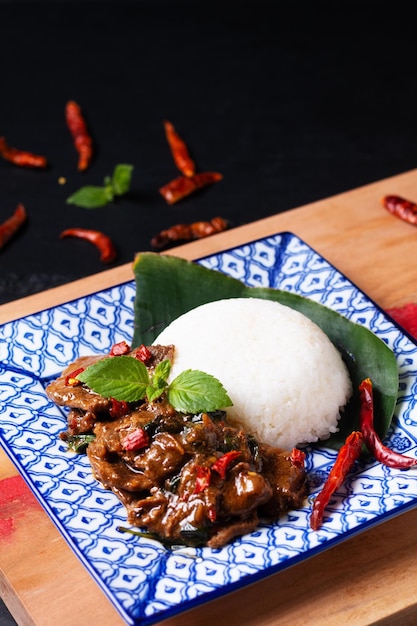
<point x="290" y="105"/>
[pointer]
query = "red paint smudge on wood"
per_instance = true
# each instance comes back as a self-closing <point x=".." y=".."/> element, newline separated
<point x="406" y="316"/>
<point x="15" y="500"/>
<point x="15" y="488"/>
<point x="6" y="527"/>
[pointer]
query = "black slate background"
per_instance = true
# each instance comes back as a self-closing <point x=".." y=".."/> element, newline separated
<point x="290" y="101"/>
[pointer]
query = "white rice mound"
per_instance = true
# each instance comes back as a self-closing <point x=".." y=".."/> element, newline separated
<point x="284" y="376"/>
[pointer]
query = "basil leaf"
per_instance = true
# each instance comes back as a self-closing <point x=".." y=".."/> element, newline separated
<point x="161" y="373"/>
<point x="159" y="380"/>
<point x="121" y="178"/>
<point x="193" y="391"/>
<point x="167" y="287"/>
<point x="79" y="443"/>
<point x="127" y="379"/>
<point x="91" y="197"/>
<point x="122" y="377"/>
<point x="153" y="392"/>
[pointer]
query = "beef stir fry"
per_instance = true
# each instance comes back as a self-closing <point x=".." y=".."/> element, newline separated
<point x="190" y="479"/>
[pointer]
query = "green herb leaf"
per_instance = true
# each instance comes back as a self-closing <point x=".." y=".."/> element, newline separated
<point x="123" y="378"/>
<point x="161" y="373"/>
<point x="79" y="443"/>
<point x="152" y="392"/>
<point x="127" y="379"/>
<point x="159" y="380"/>
<point x="193" y="391"/>
<point x="121" y="178"/>
<point x="91" y="197"/>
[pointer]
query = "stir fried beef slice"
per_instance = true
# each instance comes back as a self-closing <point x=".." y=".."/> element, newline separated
<point x="170" y="487"/>
<point x="243" y="491"/>
<point x="77" y="396"/>
<point x="88" y="407"/>
<point x="127" y="471"/>
<point x="106" y="454"/>
<point x="287" y="479"/>
<point x="157" y="354"/>
<point x="224" y="534"/>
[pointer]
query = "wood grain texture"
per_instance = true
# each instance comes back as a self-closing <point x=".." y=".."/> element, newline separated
<point x="369" y="578"/>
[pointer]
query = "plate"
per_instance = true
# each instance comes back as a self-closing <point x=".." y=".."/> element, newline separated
<point x="144" y="581"/>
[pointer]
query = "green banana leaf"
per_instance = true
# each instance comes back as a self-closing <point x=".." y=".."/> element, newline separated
<point x="167" y="287"/>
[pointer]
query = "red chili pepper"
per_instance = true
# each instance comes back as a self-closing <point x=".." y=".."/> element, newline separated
<point x="298" y="457"/>
<point x="71" y="379"/>
<point x="179" y="150"/>
<point x="202" y="478"/>
<point x="99" y="239"/>
<point x="118" y="408"/>
<point x="384" y="455"/>
<point x="400" y="207"/>
<point x="143" y="354"/>
<point x="10" y="226"/>
<point x="223" y="463"/>
<point x="136" y="440"/>
<point x="21" y="157"/>
<point x="120" y="348"/>
<point x="78" y="128"/>
<point x="188" y="232"/>
<point x="345" y="460"/>
<point x="183" y="186"/>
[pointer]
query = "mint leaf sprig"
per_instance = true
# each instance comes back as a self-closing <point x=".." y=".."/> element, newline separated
<point x="93" y="197"/>
<point x="127" y="379"/>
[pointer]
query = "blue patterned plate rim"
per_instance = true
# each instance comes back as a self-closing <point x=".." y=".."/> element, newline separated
<point x="145" y="582"/>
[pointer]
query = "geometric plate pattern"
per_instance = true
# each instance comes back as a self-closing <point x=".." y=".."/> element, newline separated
<point x="146" y="582"/>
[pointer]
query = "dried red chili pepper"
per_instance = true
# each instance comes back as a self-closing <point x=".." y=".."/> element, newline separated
<point x="345" y="460"/>
<point x="136" y="440"/>
<point x="71" y="379"/>
<point x="223" y="463"/>
<point x="400" y="207"/>
<point x="118" y="408"/>
<point x="143" y="353"/>
<point x="10" y="226"/>
<point x="78" y="129"/>
<point x="99" y="239"/>
<point x="188" y="232"/>
<point x="120" y="348"/>
<point x="179" y="150"/>
<point x="298" y="457"/>
<point x="183" y="186"/>
<point x="384" y="455"/>
<point x="202" y="480"/>
<point x="21" y="157"/>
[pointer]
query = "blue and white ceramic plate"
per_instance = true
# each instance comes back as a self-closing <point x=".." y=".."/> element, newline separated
<point x="144" y="581"/>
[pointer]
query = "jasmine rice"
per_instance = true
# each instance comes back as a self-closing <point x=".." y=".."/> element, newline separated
<point x="287" y="381"/>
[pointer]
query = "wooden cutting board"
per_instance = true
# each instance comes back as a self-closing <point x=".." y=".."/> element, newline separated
<point x="368" y="579"/>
